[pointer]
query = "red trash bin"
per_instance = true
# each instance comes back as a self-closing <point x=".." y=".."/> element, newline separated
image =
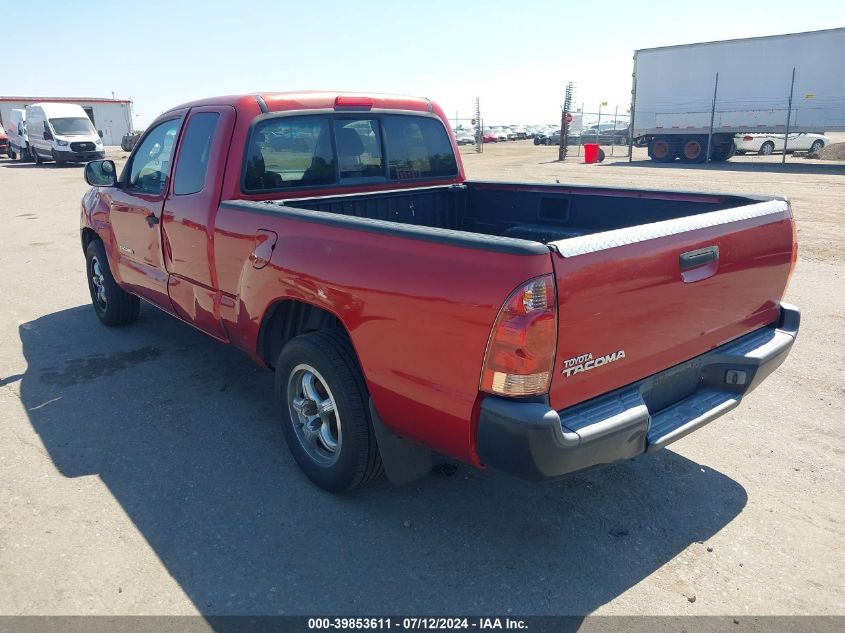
<point x="591" y="152"/>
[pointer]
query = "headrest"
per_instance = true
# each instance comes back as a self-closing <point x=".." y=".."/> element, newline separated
<point x="349" y="143"/>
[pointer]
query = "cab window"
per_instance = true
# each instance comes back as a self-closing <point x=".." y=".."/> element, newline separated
<point x="151" y="161"/>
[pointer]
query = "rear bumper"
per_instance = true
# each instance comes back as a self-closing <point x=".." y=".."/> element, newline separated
<point x="532" y="441"/>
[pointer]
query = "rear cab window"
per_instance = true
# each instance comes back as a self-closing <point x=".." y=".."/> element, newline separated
<point x="340" y="149"/>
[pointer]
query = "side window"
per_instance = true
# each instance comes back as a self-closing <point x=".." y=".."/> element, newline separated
<point x="193" y="157"/>
<point x="151" y="161"/>
<point x="289" y="152"/>
<point x="358" y="148"/>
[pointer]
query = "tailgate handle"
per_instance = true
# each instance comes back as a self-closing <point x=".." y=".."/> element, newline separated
<point x="698" y="258"/>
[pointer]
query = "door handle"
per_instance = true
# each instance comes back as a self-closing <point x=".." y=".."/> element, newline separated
<point x="698" y="258"/>
<point x="152" y="220"/>
<point x="699" y="264"/>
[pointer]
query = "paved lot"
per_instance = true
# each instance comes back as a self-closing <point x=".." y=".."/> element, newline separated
<point x="142" y="469"/>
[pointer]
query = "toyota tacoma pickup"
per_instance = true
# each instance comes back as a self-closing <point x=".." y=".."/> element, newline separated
<point x="538" y="329"/>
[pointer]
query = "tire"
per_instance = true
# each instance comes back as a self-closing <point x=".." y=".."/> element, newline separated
<point x="816" y="147"/>
<point x="112" y="304"/>
<point x="767" y="148"/>
<point x="58" y="161"/>
<point x="662" y="150"/>
<point x="35" y="157"/>
<point x="740" y="152"/>
<point x="335" y="448"/>
<point x="693" y="150"/>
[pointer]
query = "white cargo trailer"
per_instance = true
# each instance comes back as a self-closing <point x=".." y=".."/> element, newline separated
<point x="682" y="94"/>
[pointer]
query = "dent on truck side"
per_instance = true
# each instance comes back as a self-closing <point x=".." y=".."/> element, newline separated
<point x="418" y="313"/>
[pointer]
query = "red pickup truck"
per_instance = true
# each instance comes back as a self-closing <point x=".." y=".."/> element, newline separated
<point x="536" y="329"/>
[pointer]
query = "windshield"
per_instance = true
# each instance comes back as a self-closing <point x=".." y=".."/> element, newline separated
<point x="72" y="126"/>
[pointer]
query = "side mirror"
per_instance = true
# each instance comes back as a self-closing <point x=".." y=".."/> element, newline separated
<point x="101" y="173"/>
<point x="48" y="135"/>
<point x="100" y="132"/>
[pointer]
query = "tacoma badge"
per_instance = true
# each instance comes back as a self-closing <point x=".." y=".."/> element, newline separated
<point x="586" y="362"/>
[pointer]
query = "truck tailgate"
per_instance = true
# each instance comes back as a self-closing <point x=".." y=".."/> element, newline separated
<point x="633" y="302"/>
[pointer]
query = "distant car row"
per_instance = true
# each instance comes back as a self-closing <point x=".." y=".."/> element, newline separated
<point x="501" y="133"/>
<point x="59" y="132"/>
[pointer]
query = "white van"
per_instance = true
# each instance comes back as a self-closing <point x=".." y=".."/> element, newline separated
<point x="61" y="132"/>
<point x="18" y="146"/>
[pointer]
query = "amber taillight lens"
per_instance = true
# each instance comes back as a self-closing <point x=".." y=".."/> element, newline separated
<point x="521" y="351"/>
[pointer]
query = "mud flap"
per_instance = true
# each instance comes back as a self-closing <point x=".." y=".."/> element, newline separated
<point x="404" y="460"/>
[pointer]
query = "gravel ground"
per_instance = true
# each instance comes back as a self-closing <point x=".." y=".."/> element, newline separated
<point x="142" y="470"/>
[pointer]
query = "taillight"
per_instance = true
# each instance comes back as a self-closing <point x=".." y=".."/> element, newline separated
<point x="747" y="138"/>
<point x="521" y="351"/>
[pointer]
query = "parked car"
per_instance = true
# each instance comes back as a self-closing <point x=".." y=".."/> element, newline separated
<point x="4" y="142"/>
<point x="465" y="138"/>
<point x="405" y="309"/>
<point x="490" y="137"/>
<point x="18" y="144"/>
<point x="766" y="144"/>
<point x="61" y="132"/>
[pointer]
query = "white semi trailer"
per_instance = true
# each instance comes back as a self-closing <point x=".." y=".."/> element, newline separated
<point x="687" y="97"/>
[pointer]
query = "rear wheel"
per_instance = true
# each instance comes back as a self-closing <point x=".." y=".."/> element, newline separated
<point x="325" y="409"/>
<point x="113" y="305"/>
<point x="693" y="150"/>
<point x="767" y="148"/>
<point x="661" y="150"/>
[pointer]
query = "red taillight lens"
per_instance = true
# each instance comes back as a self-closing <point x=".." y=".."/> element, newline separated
<point x="747" y="138"/>
<point x="353" y="102"/>
<point x="521" y="351"/>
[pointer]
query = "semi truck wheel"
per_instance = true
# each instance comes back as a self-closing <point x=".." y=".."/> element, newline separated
<point x="661" y="149"/>
<point x="113" y="305"/>
<point x="325" y="411"/>
<point x="767" y="148"/>
<point x="693" y="150"/>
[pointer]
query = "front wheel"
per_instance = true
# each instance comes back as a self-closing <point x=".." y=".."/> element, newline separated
<point x="35" y="157"/>
<point x="767" y="148"/>
<point x="113" y="305"/>
<point x="816" y="147"/>
<point x="325" y="411"/>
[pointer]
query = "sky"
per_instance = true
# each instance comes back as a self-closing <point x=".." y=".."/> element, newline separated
<point x="515" y="56"/>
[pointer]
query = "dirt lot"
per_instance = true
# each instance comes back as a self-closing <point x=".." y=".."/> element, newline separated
<point x="142" y="470"/>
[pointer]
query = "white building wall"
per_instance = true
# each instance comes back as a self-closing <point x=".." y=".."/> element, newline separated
<point x="112" y="118"/>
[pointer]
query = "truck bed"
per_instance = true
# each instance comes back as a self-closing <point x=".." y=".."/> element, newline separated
<point x="536" y="213"/>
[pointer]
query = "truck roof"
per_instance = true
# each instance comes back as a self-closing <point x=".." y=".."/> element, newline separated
<point x="738" y="39"/>
<point x="315" y="100"/>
